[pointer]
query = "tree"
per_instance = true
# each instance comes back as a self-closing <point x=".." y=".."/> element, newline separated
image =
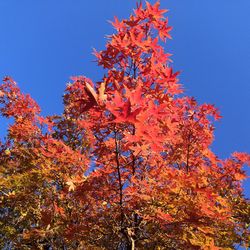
<point x="128" y="165"/>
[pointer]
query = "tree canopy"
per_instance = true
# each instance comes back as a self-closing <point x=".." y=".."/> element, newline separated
<point x="128" y="165"/>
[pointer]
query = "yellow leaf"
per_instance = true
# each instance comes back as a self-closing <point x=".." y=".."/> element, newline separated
<point x="71" y="185"/>
<point x="102" y="97"/>
<point x="7" y="152"/>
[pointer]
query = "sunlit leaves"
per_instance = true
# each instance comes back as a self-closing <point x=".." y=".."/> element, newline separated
<point x="128" y="165"/>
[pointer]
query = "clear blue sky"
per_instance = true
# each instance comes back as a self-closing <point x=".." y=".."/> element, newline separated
<point x="44" y="42"/>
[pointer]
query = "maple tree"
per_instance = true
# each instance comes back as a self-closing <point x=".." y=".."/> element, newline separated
<point x="128" y="165"/>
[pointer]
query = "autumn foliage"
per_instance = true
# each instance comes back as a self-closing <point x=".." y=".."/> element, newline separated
<point x="128" y="165"/>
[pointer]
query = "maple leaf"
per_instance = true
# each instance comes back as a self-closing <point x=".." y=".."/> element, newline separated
<point x="163" y="216"/>
<point x="59" y="210"/>
<point x="71" y="185"/>
<point x="102" y="97"/>
<point x="127" y="164"/>
<point x="2" y="94"/>
<point x="124" y="113"/>
<point x="118" y="25"/>
<point x="154" y="10"/>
